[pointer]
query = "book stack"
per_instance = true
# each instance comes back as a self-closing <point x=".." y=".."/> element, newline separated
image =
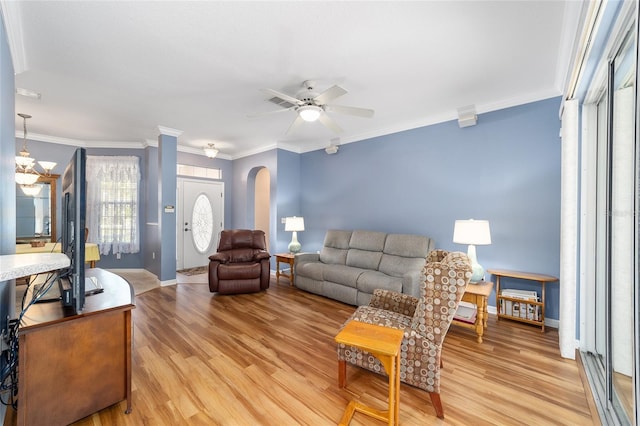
<point x="520" y="309"/>
<point x="466" y="312"/>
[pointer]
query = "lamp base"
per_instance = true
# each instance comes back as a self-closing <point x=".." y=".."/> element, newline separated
<point x="294" y="245"/>
<point x="477" y="269"/>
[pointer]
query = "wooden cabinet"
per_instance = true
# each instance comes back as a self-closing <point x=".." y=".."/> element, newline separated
<point x="71" y="366"/>
<point x="519" y="308"/>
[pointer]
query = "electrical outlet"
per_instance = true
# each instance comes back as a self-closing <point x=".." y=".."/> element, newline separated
<point x="153" y="255"/>
<point x="118" y="256"/>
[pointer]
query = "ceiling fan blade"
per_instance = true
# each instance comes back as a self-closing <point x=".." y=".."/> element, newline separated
<point x="283" y="96"/>
<point x="329" y="123"/>
<point x="296" y="123"/>
<point x="262" y="114"/>
<point x="349" y="110"/>
<point x="329" y="94"/>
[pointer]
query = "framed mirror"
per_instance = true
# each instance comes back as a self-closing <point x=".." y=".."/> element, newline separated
<point x="36" y="214"/>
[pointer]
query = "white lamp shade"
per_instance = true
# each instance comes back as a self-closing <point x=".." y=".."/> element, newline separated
<point x="31" y="190"/>
<point x="471" y="231"/>
<point x="309" y="112"/>
<point x="24" y="162"/>
<point x="294" y="223"/>
<point x="26" y="178"/>
<point x="210" y="151"/>
<point x="47" y="165"/>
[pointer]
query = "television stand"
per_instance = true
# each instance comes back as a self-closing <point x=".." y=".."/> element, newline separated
<point x="71" y="366"/>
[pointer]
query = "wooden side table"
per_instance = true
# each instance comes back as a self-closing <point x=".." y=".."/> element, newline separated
<point x="528" y="305"/>
<point x="478" y="295"/>
<point x="289" y="259"/>
<point x="384" y="344"/>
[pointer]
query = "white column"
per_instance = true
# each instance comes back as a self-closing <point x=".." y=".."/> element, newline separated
<point x="569" y="229"/>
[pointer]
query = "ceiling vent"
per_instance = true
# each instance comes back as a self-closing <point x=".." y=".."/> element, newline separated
<point x="281" y="102"/>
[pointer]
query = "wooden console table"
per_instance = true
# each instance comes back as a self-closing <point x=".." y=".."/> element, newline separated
<point x="478" y="295"/>
<point x="528" y="304"/>
<point x="71" y="366"/>
<point x="384" y="344"/>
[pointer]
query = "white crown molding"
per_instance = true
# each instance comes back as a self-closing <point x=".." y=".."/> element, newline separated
<point x="288" y="146"/>
<point x="12" y="17"/>
<point x="255" y="151"/>
<point x="168" y="131"/>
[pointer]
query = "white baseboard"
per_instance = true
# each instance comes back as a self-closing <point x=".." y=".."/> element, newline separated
<point x="168" y="283"/>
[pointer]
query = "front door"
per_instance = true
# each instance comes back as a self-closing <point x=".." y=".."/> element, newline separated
<point x="200" y="220"/>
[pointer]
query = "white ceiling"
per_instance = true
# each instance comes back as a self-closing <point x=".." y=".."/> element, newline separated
<point x="111" y="72"/>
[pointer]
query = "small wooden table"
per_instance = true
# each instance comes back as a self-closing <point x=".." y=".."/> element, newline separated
<point x="384" y="344"/>
<point x="289" y="259"/>
<point x="478" y="295"/>
<point x="542" y="279"/>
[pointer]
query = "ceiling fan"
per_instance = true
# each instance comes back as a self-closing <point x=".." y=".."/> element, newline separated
<point x="311" y="106"/>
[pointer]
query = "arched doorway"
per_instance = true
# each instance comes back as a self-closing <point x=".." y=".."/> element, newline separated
<point x="262" y="202"/>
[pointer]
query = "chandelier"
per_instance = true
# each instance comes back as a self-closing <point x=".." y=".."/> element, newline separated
<point x="26" y="174"/>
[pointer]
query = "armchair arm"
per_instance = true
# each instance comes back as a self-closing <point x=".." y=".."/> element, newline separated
<point x="262" y="255"/>
<point x="399" y="303"/>
<point x="436" y="255"/>
<point x="221" y="256"/>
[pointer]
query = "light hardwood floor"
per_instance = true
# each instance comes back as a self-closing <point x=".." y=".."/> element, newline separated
<point x="270" y="359"/>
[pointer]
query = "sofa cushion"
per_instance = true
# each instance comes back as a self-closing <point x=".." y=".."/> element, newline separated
<point x="367" y="240"/>
<point x="311" y="270"/>
<point x="397" y="266"/>
<point x="239" y="271"/>
<point x="333" y="256"/>
<point x="334" y="249"/>
<point x="364" y="259"/>
<point x="342" y="274"/>
<point x="337" y="239"/>
<point x="368" y="281"/>
<point x="408" y="245"/>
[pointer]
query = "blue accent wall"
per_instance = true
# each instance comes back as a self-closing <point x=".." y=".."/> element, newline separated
<point x="7" y="170"/>
<point x="167" y="160"/>
<point x="506" y="169"/>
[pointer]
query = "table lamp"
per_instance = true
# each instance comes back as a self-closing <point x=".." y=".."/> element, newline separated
<point x="294" y="224"/>
<point x="473" y="232"/>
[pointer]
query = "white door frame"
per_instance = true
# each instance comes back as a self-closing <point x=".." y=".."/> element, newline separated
<point x="180" y="240"/>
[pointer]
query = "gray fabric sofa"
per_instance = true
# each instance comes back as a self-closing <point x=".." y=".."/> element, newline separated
<point x="352" y="264"/>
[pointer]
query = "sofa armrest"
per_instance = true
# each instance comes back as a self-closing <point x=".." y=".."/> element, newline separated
<point x="307" y="257"/>
<point x="411" y="283"/>
<point x="399" y="303"/>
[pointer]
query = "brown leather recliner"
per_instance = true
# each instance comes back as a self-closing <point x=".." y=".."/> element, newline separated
<point x="241" y="264"/>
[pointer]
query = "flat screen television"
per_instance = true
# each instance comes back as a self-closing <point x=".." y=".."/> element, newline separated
<point x="74" y="211"/>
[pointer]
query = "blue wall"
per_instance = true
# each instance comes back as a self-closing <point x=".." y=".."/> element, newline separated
<point x="506" y="169"/>
<point x="7" y="173"/>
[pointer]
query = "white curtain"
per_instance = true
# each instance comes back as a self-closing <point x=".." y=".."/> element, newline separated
<point x="112" y="203"/>
<point x="569" y="229"/>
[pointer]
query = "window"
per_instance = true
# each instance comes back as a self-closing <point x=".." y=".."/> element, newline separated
<point x="113" y="203"/>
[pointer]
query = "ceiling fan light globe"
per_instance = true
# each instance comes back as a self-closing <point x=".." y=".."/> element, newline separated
<point x="309" y="112"/>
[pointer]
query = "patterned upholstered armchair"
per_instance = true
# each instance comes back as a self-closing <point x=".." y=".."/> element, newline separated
<point x="425" y="322"/>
